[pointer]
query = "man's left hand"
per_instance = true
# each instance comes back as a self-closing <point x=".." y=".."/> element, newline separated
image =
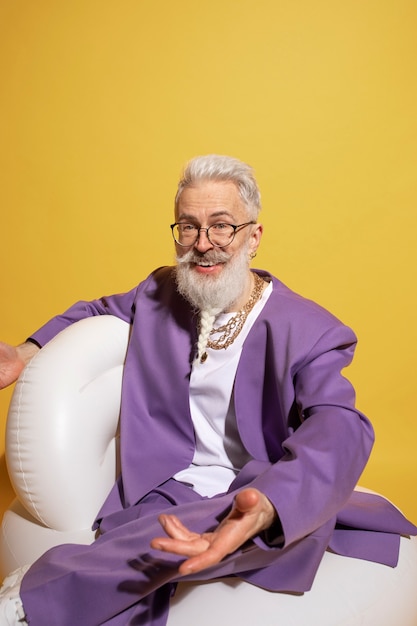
<point x="252" y="513"/>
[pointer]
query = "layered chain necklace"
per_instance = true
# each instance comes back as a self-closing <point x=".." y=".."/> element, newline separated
<point x="229" y="331"/>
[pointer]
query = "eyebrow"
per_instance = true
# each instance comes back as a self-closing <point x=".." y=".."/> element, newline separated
<point x="192" y="218"/>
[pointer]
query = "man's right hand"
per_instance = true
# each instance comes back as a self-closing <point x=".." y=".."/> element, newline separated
<point x="13" y="360"/>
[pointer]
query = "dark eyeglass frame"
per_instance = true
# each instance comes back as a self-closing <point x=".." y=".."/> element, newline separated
<point x="200" y="228"/>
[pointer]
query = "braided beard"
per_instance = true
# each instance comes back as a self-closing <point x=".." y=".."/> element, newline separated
<point x="213" y="294"/>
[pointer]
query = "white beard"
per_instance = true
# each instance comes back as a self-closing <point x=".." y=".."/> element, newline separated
<point x="213" y="293"/>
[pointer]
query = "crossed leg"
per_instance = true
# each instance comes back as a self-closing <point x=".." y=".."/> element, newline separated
<point x="119" y="579"/>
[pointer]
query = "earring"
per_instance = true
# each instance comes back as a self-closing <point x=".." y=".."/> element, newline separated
<point x="252" y="255"/>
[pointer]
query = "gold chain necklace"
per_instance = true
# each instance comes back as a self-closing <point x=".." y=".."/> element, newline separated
<point x="232" y="328"/>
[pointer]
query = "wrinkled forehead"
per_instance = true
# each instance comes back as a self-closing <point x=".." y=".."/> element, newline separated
<point x="211" y="200"/>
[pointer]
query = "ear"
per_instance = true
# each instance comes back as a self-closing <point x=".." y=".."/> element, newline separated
<point x="255" y="239"/>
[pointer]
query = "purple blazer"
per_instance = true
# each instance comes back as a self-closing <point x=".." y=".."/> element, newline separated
<point x="295" y="412"/>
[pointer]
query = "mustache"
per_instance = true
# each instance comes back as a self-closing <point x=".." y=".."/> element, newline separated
<point x="211" y="256"/>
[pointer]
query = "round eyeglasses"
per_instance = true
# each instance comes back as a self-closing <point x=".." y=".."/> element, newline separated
<point x="219" y="235"/>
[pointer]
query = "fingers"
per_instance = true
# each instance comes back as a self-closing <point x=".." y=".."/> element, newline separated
<point x="174" y="528"/>
<point x="253" y="503"/>
<point x="202" y="561"/>
<point x="247" y="500"/>
<point x="252" y="512"/>
<point x="201" y="551"/>
<point x="180" y="540"/>
<point x="180" y="547"/>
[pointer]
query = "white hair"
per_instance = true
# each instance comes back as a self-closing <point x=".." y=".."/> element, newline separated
<point x="220" y="168"/>
<point x="207" y="318"/>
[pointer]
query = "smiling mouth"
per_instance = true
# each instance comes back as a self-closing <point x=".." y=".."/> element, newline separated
<point x="206" y="263"/>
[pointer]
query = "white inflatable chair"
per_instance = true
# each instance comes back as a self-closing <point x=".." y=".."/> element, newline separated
<point x="61" y="447"/>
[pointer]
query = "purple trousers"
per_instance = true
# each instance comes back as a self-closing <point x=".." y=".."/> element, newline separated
<point x="119" y="579"/>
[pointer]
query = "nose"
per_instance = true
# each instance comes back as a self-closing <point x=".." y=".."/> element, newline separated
<point x="203" y="243"/>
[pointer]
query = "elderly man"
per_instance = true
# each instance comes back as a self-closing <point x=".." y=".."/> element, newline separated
<point x="240" y="440"/>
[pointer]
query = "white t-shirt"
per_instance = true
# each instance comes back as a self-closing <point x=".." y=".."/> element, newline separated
<point x="219" y="452"/>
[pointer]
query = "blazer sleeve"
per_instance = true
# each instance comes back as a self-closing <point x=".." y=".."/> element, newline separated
<point x="325" y="456"/>
<point x="120" y="305"/>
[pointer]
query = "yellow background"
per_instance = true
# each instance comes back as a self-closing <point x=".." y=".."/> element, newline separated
<point x="101" y="102"/>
